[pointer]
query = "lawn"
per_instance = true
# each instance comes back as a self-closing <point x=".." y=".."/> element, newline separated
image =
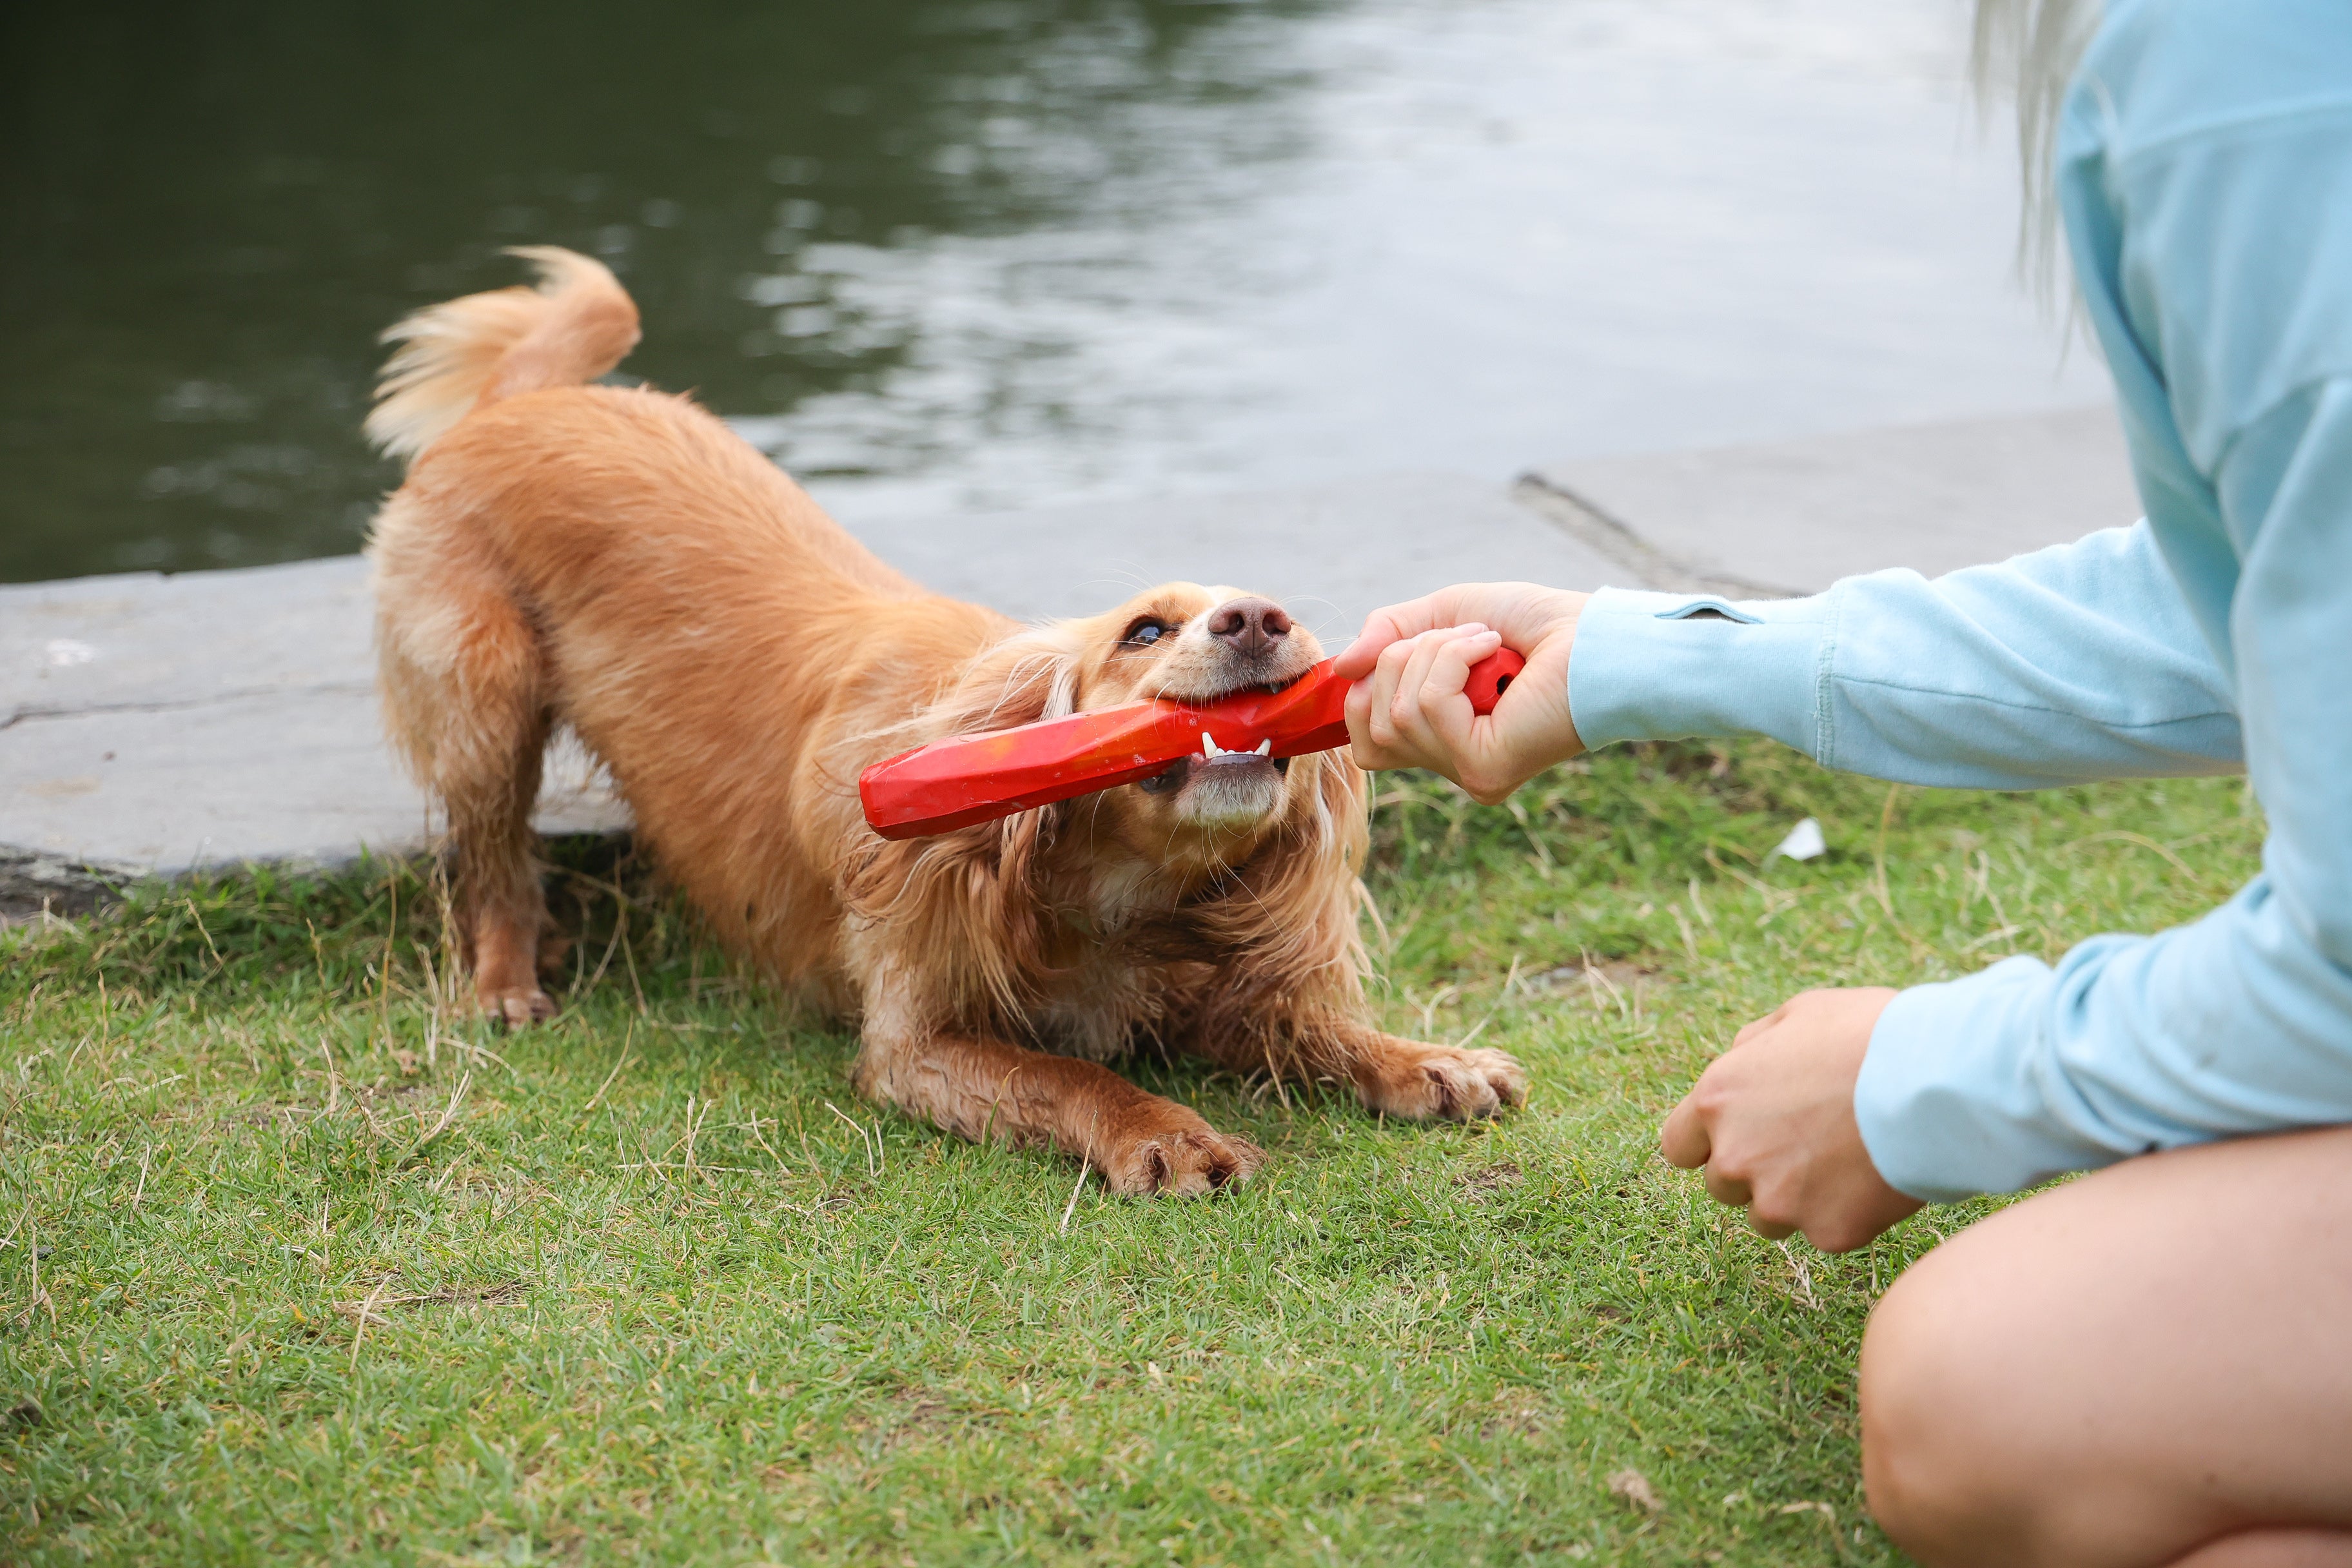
<point x="302" y="1264"/>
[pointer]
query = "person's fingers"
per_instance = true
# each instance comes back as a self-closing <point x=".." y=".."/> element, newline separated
<point x="1427" y="650"/>
<point x="1770" y="1230"/>
<point x="1405" y="712"/>
<point x="1397" y="740"/>
<point x="1454" y="726"/>
<point x="1380" y="628"/>
<point x="1385" y="677"/>
<point x="1452" y="721"/>
<point x="1424" y="708"/>
<point x="1769" y="1022"/>
<point x="1727" y="1189"/>
<point x="1358" y="712"/>
<point x="1373" y="733"/>
<point x="1449" y="671"/>
<point x="1684" y="1140"/>
<point x="1393" y="624"/>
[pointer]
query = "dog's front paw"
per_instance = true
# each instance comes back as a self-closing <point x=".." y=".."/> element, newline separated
<point x="1183" y="1158"/>
<point x="1422" y="1082"/>
<point x="516" y="1006"/>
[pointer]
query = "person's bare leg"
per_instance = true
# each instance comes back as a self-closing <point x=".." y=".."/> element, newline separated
<point x="2274" y="1549"/>
<point x="2149" y="1367"/>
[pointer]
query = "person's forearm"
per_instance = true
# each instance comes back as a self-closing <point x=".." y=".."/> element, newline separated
<point x="2074" y="663"/>
<point x="1670" y="667"/>
<point x="2237" y="1024"/>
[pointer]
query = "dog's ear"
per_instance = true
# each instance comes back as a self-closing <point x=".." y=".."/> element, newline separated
<point x="969" y="902"/>
<point x="1022" y="679"/>
<point x="1280" y="931"/>
<point x="1296" y="926"/>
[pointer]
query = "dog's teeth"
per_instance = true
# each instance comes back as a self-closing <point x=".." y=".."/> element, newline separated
<point x="1211" y="751"/>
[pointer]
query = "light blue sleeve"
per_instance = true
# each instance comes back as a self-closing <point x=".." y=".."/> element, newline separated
<point x="2240" y="1023"/>
<point x="2208" y="197"/>
<point x="2073" y="663"/>
<point x="2206" y="170"/>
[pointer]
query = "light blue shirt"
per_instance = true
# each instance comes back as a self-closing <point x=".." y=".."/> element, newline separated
<point x="2205" y="173"/>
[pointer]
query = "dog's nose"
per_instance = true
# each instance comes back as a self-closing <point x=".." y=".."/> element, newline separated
<point x="1249" y="625"/>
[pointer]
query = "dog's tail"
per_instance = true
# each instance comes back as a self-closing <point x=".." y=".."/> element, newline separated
<point x="574" y="326"/>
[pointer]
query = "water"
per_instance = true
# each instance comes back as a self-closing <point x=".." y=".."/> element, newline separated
<point x="995" y="253"/>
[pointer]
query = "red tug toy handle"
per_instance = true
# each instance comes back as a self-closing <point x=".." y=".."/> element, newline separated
<point x="966" y="779"/>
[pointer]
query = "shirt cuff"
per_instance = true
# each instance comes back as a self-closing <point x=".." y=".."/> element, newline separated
<point x="1952" y="1099"/>
<point x="1666" y="667"/>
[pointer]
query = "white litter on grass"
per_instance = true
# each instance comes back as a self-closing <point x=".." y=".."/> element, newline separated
<point x="1804" y="842"/>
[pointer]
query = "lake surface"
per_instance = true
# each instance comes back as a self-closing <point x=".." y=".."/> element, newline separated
<point x="941" y="257"/>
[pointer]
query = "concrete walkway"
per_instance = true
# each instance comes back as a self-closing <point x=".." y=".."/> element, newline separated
<point x="153" y="725"/>
<point x="1794" y="517"/>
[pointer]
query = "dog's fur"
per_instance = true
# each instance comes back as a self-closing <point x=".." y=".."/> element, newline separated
<point x="618" y="561"/>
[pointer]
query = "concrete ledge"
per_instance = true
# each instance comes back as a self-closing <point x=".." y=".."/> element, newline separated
<point x="1794" y="517"/>
<point x="156" y="724"/>
<point x="34" y="886"/>
<point x="147" y="641"/>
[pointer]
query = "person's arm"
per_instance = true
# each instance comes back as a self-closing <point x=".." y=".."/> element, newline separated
<point x="2217" y="268"/>
<point x="2205" y="175"/>
<point x="2238" y="1023"/>
<point x="2077" y="662"/>
<point x="2206" y="170"/>
<point x="2073" y="663"/>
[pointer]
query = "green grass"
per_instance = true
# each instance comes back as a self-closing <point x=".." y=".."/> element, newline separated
<point x="650" y="1285"/>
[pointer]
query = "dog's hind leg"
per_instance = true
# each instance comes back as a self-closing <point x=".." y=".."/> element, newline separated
<point x="494" y="874"/>
<point x="466" y="697"/>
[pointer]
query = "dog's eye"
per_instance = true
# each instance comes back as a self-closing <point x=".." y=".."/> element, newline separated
<point x="1145" y="632"/>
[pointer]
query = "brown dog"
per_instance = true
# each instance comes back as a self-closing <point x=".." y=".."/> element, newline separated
<point x="619" y="562"/>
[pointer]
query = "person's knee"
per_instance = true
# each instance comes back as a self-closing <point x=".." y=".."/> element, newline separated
<point x="1941" y="1482"/>
<point x="1905" y="1446"/>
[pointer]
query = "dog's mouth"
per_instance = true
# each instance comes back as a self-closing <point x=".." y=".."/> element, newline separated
<point x="1218" y="685"/>
<point x="1216" y="786"/>
<point x="1223" y="767"/>
<point x="1230" y="784"/>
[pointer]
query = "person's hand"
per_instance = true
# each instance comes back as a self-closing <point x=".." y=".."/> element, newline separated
<point x="1410" y="665"/>
<point x="1772" y="1121"/>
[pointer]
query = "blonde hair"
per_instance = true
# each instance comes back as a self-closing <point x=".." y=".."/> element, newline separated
<point x="2028" y="49"/>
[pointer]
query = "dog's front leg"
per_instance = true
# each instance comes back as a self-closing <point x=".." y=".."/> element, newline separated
<point x="1392" y="1075"/>
<point x="1416" y="1080"/>
<point x="985" y="1089"/>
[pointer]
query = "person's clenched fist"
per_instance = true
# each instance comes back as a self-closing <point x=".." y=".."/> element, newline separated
<point x="1772" y="1121"/>
<point x="1411" y="663"/>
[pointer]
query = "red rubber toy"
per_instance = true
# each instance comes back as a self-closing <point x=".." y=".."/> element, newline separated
<point x="955" y="783"/>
